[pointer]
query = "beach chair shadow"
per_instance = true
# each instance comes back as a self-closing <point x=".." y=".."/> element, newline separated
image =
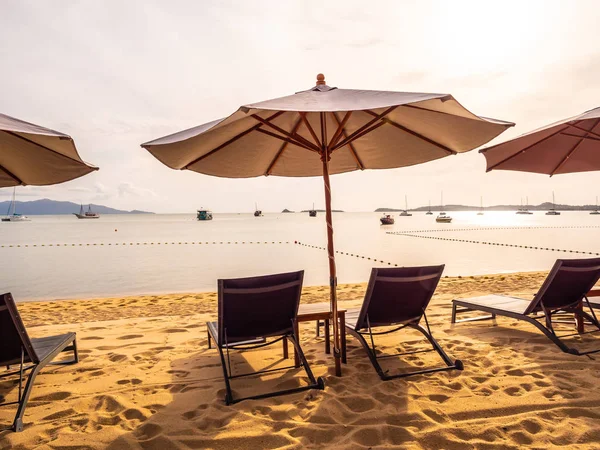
<point x="397" y="298"/>
<point x="257" y="312"/>
<point x="30" y="355"/>
<point x="562" y="293"/>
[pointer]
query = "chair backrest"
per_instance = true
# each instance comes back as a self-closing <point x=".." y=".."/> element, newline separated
<point x="256" y="307"/>
<point x="566" y="284"/>
<point x="398" y="295"/>
<point x="13" y="335"/>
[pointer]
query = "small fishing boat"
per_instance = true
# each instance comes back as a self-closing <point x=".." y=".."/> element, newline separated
<point x="89" y="214"/>
<point x="387" y="219"/>
<point x="204" y="214"/>
<point x="405" y="213"/>
<point x="312" y="212"/>
<point x="257" y="212"/>
<point x="12" y="215"/>
<point x="553" y="211"/>
<point x="595" y="212"/>
<point x="442" y="216"/>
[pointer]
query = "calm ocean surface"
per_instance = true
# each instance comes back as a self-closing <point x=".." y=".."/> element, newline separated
<point x="152" y="255"/>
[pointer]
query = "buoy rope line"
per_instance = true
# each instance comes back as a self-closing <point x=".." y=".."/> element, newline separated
<point x="441" y="230"/>
<point x="123" y="244"/>
<point x="355" y="255"/>
<point x="470" y="241"/>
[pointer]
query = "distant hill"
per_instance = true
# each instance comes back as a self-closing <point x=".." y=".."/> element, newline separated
<point x="541" y="207"/>
<point x="47" y="206"/>
<point x="287" y="211"/>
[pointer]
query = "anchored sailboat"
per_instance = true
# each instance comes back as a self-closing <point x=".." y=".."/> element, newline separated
<point x="442" y="216"/>
<point x="405" y="213"/>
<point x="480" y="213"/>
<point x="88" y="214"/>
<point x="257" y="212"/>
<point x="429" y="213"/>
<point x="312" y="212"/>
<point x="595" y="211"/>
<point x="12" y="215"/>
<point x="553" y="211"/>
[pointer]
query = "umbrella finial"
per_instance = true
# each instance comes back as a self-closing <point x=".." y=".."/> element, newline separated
<point x="320" y="79"/>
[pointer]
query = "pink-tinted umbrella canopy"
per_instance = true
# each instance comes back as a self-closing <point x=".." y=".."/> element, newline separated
<point x="34" y="155"/>
<point x="571" y="145"/>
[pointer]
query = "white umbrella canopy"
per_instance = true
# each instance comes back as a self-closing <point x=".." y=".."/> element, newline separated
<point x="323" y="131"/>
<point x="34" y="155"/>
<point x="568" y="146"/>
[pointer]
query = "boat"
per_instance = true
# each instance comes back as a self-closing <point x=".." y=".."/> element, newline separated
<point x="442" y="216"/>
<point x="387" y="219"/>
<point x="405" y="213"/>
<point x="88" y="214"/>
<point x="480" y="213"/>
<point x="553" y="211"/>
<point x="257" y="212"/>
<point x="312" y="212"/>
<point x="204" y="214"/>
<point x="429" y="213"/>
<point x="524" y="209"/>
<point x="595" y="212"/>
<point x="12" y="215"/>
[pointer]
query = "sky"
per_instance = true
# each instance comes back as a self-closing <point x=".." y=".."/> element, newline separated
<point x="115" y="74"/>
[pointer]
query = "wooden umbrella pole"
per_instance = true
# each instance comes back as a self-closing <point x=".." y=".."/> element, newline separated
<point x="332" y="271"/>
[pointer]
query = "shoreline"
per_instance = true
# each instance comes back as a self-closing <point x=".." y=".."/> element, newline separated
<point x="124" y="296"/>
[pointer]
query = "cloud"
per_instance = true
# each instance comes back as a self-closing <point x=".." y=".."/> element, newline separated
<point x="128" y="189"/>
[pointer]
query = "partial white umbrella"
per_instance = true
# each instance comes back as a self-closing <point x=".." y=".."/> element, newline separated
<point x="34" y="155"/>
<point x="323" y="131"/>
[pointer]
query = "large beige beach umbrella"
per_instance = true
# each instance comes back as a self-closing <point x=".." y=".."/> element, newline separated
<point x="571" y="145"/>
<point x="34" y="155"/>
<point x="324" y="131"/>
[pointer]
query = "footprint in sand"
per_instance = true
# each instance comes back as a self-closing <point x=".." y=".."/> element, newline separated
<point x="176" y="330"/>
<point x="114" y="357"/>
<point x="130" y="336"/>
<point x="53" y="397"/>
<point x="91" y="338"/>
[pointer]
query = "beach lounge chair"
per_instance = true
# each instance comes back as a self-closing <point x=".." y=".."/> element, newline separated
<point x="252" y="310"/>
<point x="397" y="297"/>
<point x="16" y="348"/>
<point x="563" y="292"/>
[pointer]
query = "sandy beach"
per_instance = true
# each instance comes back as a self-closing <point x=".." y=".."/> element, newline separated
<point x="147" y="380"/>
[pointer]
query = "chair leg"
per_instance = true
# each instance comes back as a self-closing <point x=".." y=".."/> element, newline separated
<point x="18" y="422"/>
<point x="208" y="337"/>
<point x="285" y="348"/>
<point x="318" y="328"/>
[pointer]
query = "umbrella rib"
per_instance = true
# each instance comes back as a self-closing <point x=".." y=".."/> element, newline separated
<point x="591" y="138"/>
<point x="230" y="141"/>
<point x="575" y="147"/>
<point x="12" y="175"/>
<point x="586" y="131"/>
<point x="286" y="139"/>
<point x="365" y="128"/>
<point x="310" y="128"/>
<point x="338" y="133"/>
<point x="523" y="150"/>
<point x="418" y="135"/>
<point x="49" y="149"/>
<point x="294" y="137"/>
<point x="282" y="148"/>
<point x="359" y="163"/>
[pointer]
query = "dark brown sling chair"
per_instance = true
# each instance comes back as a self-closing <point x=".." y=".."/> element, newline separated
<point x="563" y="292"/>
<point x="397" y="297"/>
<point x="251" y="310"/>
<point x="16" y="348"/>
